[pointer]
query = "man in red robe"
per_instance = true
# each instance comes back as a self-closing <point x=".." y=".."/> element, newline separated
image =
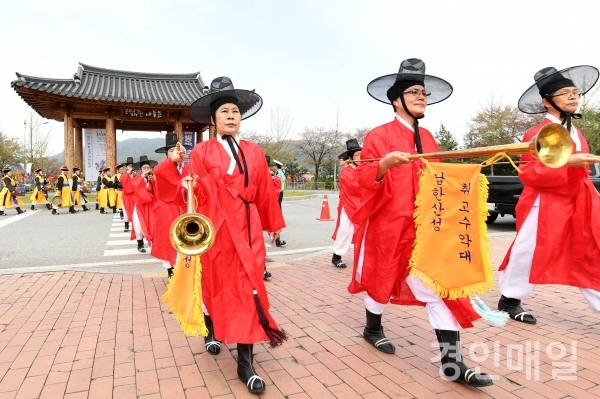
<point x="143" y="199"/>
<point x="386" y="231"/>
<point x="167" y="179"/>
<point x="350" y="193"/>
<point x="127" y="193"/>
<point x="558" y="213"/>
<point x="235" y="191"/>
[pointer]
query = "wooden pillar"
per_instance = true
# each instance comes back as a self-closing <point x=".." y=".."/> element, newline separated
<point x="211" y="132"/>
<point x="69" y="145"/>
<point x="111" y="141"/>
<point x="179" y="129"/>
<point x="198" y="136"/>
<point x="79" y="146"/>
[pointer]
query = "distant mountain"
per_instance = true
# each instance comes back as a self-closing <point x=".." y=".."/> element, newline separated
<point x="133" y="147"/>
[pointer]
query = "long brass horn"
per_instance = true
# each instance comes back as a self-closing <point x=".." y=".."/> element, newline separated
<point x="552" y="146"/>
<point x="192" y="233"/>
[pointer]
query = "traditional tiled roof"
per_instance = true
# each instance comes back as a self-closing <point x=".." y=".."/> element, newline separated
<point x="107" y="85"/>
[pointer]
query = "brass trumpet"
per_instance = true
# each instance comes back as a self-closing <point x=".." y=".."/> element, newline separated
<point x="192" y="233"/>
<point x="552" y="146"/>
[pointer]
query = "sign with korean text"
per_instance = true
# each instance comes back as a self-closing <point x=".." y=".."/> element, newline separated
<point x="144" y="113"/>
<point x="451" y="252"/>
<point x="94" y="150"/>
<point x="189" y="141"/>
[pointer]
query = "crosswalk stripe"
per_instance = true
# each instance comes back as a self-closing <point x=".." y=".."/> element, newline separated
<point x="121" y="242"/>
<point x="119" y="235"/>
<point x="124" y="251"/>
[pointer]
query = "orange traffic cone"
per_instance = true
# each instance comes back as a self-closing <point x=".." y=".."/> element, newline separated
<point x="325" y="216"/>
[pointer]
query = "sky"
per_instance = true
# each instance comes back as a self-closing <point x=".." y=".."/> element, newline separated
<point x="309" y="57"/>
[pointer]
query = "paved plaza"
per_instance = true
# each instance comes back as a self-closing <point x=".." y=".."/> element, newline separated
<point x="90" y="335"/>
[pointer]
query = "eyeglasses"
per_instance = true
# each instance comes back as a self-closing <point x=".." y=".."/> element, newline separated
<point x="416" y="93"/>
<point x="567" y="94"/>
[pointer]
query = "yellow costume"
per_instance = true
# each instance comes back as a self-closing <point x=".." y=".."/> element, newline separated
<point x="6" y="198"/>
<point x="119" y="191"/>
<point x="64" y="192"/>
<point x="107" y="195"/>
<point x="39" y="196"/>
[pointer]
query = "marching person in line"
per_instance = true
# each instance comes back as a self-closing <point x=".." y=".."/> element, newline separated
<point x="277" y="168"/>
<point x="127" y="190"/>
<point x="118" y="189"/>
<point x="235" y="191"/>
<point x="99" y="189"/>
<point x="108" y="198"/>
<point x="558" y="213"/>
<point x="167" y="178"/>
<point x="350" y="193"/>
<point x="79" y="197"/>
<point x="63" y="190"/>
<point x="39" y="196"/>
<point x="7" y="199"/>
<point x="277" y="183"/>
<point x="143" y="199"/>
<point x="385" y="223"/>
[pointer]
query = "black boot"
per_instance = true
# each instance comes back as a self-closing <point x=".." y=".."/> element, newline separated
<point x="126" y="227"/>
<point x="85" y="208"/>
<point x="48" y="206"/>
<point x="513" y="307"/>
<point x="32" y="207"/>
<point x="210" y="343"/>
<point x="54" y="212"/>
<point x="114" y="210"/>
<point x="452" y="364"/>
<point x="245" y="370"/>
<point x="373" y="334"/>
<point x="2" y="213"/>
<point x="72" y="209"/>
<point x="20" y="211"/>
<point x="141" y="246"/>
<point x="337" y="261"/>
<point x="279" y="243"/>
<point x="97" y="206"/>
<point x="169" y="273"/>
<point x="102" y="210"/>
<point x="121" y="214"/>
<point x="266" y="274"/>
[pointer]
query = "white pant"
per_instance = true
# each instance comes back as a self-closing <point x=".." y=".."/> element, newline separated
<point x="440" y="317"/>
<point x="125" y="216"/>
<point x="344" y="234"/>
<point x="137" y="226"/>
<point x="514" y="280"/>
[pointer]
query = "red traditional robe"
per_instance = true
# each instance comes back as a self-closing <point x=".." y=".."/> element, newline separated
<point x="277" y="184"/>
<point x="350" y="193"/>
<point x="167" y="180"/>
<point x="568" y="236"/>
<point x="143" y="197"/>
<point x="127" y="197"/>
<point x="387" y="208"/>
<point x="232" y="269"/>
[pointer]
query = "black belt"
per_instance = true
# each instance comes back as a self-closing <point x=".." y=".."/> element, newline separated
<point x="247" y="203"/>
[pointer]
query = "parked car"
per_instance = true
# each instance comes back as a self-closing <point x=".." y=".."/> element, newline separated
<point x="504" y="192"/>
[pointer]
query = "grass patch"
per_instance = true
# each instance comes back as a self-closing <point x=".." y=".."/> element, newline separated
<point x="297" y="193"/>
<point x="26" y="200"/>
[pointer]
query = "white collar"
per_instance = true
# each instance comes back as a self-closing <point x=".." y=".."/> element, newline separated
<point x="573" y="132"/>
<point x="405" y="123"/>
<point x="227" y="149"/>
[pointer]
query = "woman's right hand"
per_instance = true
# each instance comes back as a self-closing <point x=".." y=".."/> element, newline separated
<point x="391" y="160"/>
<point x="582" y="160"/>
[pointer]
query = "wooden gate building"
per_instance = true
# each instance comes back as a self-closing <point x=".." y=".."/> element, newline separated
<point x="99" y="98"/>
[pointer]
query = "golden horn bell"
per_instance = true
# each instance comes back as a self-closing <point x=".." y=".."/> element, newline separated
<point x="192" y="233"/>
<point x="552" y="146"/>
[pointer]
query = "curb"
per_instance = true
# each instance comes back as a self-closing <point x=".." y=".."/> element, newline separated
<point x="300" y="197"/>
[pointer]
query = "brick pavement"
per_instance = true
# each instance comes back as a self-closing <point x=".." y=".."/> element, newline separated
<point x="87" y="335"/>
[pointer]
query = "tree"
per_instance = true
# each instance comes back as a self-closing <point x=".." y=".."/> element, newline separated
<point x="590" y="122"/>
<point x="319" y="144"/>
<point x="10" y="150"/>
<point x="276" y="142"/>
<point x="38" y="139"/>
<point x="445" y="140"/>
<point x="294" y="169"/>
<point x="358" y="133"/>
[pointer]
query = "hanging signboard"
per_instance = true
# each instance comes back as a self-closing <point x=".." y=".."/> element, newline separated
<point x="95" y="152"/>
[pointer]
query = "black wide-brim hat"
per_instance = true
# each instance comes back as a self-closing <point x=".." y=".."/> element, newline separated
<point x="6" y="170"/>
<point x="37" y="170"/>
<point x="171" y="140"/>
<point x="351" y="147"/>
<point x="268" y="158"/>
<point x="64" y="168"/>
<point x="249" y="102"/>
<point x="118" y="166"/>
<point x="411" y="70"/>
<point x="583" y="77"/>
<point x="129" y="161"/>
<point x="76" y="168"/>
<point x="144" y="161"/>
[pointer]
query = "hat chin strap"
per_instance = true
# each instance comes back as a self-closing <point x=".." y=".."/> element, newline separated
<point x="415" y="125"/>
<point x="566" y="116"/>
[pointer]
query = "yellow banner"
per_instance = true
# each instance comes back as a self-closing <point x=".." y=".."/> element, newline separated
<point x="451" y="251"/>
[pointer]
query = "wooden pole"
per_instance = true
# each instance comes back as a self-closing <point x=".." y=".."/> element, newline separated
<point x="211" y="132"/>
<point x="79" y="146"/>
<point x="111" y="141"/>
<point x="179" y="128"/>
<point x="69" y="145"/>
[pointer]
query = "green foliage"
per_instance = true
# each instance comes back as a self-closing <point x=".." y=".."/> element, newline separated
<point x="10" y="150"/>
<point x="445" y="140"/>
<point x="590" y="126"/>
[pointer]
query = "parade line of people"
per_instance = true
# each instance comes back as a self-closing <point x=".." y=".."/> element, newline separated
<point x="235" y="189"/>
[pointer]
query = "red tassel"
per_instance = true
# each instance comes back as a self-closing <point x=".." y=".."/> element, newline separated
<point x="276" y="337"/>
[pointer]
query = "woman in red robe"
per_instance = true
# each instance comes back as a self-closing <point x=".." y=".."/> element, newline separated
<point x="235" y="191"/>
<point x="127" y="194"/>
<point x="558" y="213"/>
<point x="143" y="198"/>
